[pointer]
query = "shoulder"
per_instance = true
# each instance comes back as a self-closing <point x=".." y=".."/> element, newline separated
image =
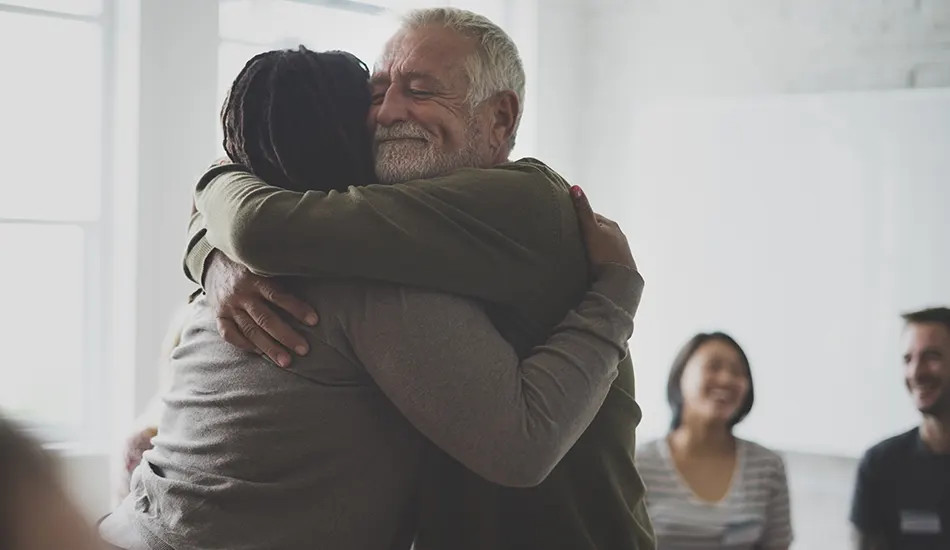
<point x="525" y="174"/>
<point x="760" y="453"/>
<point x="762" y="462"/>
<point x="538" y="170"/>
<point x="890" y="449"/>
<point x="529" y="182"/>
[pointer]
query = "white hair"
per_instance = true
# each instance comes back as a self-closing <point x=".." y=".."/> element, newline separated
<point x="496" y="65"/>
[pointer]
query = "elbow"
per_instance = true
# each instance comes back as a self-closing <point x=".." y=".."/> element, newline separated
<point x="249" y="246"/>
<point x="529" y="477"/>
<point x="521" y="469"/>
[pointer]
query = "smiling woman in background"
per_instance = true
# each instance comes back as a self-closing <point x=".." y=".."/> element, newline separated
<point x="707" y="488"/>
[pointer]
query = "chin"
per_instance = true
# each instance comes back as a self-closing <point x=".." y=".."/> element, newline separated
<point x="725" y="412"/>
<point x="938" y="406"/>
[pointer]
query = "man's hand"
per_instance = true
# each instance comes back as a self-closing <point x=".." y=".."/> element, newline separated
<point x="605" y="242"/>
<point x="244" y="305"/>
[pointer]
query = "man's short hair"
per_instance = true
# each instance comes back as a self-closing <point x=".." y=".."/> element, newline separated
<point x="939" y="315"/>
<point x="496" y="65"/>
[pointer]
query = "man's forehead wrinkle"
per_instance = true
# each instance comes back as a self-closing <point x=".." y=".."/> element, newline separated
<point x="433" y="53"/>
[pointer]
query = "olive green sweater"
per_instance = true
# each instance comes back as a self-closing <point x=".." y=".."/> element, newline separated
<point x="507" y="236"/>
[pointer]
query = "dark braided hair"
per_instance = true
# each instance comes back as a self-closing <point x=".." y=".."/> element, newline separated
<point x="297" y="120"/>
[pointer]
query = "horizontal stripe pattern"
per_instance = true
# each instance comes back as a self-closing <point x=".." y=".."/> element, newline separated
<point x="755" y="512"/>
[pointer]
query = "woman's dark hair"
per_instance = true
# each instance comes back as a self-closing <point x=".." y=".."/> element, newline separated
<point x="297" y="120"/>
<point x="21" y="461"/>
<point x="674" y="393"/>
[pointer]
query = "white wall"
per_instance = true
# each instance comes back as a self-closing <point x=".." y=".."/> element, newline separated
<point x="803" y="225"/>
<point x="780" y="170"/>
<point x="770" y="46"/>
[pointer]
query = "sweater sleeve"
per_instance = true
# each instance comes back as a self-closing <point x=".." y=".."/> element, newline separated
<point x="450" y="373"/>
<point x="453" y="233"/>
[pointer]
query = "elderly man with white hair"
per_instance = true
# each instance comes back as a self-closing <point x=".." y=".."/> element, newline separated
<point x="454" y="215"/>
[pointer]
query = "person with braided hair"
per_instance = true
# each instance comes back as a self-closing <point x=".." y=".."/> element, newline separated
<point x="335" y="451"/>
<point x="294" y="115"/>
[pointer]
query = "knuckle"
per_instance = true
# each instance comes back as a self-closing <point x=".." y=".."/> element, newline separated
<point x="265" y="288"/>
<point x="261" y="316"/>
<point x="247" y="326"/>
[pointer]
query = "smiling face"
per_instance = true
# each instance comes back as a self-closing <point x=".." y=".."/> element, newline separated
<point x="715" y="383"/>
<point x="424" y="124"/>
<point x="927" y="367"/>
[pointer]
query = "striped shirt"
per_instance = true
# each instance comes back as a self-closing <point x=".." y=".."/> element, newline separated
<point x="754" y="514"/>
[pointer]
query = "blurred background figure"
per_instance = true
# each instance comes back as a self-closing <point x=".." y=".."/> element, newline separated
<point x="35" y="511"/>
<point x="707" y="488"/>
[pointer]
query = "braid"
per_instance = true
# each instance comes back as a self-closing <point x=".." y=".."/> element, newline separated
<point x="297" y="119"/>
<point x="232" y="113"/>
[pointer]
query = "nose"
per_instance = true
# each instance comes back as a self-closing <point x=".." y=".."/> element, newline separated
<point x="394" y="108"/>
<point x="915" y="368"/>
<point x="727" y="378"/>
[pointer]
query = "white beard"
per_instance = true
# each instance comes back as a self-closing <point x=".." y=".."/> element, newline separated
<point x="412" y="154"/>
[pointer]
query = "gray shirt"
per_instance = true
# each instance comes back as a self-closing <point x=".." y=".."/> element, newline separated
<point x="753" y="515"/>
<point x="329" y="453"/>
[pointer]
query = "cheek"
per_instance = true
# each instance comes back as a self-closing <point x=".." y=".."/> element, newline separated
<point x="448" y="126"/>
<point x="692" y="385"/>
<point x="743" y="387"/>
<point x="371" y="119"/>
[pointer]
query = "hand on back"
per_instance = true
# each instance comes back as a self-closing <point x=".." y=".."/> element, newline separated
<point x="246" y="306"/>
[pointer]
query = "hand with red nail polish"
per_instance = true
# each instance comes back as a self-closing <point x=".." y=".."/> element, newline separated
<point x="603" y="237"/>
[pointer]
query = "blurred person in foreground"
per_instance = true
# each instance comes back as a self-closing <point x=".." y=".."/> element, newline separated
<point x="36" y="513"/>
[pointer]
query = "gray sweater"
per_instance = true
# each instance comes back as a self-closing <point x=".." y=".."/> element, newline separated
<point x="328" y="453"/>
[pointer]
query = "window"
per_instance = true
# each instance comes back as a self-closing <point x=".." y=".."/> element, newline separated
<point x="52" y="215"/>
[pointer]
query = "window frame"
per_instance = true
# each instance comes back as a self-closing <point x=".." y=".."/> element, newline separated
<point x="95" y="362"/>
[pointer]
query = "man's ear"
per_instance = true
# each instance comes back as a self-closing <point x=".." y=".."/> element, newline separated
<point x="505" y="110"/>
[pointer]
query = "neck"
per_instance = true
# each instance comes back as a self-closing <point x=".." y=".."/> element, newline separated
<point x="703" y="438"/>
<point x="935" y="433"/>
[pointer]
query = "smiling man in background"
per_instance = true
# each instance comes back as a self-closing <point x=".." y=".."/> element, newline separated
<point x="902" y="495"/>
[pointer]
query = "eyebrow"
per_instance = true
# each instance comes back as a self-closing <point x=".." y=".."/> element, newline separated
<point x="383" y="79"/>
<point x="425" y="77"/>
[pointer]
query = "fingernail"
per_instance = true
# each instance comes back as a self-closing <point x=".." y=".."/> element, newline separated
<point x="283" y="360"/>
<point x="311" y="319"/>
<point x="577" y="192"/>
<point x="301" y="350"/>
